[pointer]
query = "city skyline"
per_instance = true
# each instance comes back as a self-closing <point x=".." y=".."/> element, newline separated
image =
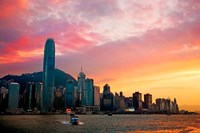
<point x="135" y="46"/>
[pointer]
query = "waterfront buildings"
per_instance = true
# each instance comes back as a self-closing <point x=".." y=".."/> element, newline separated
<point x="137" y="100"/>
<point x="48" y="76"/>
<point x="166" y="105"/>
<point x="148" y="101"/>
<point x="86" y="95"/>
<point x="13" y="96"/>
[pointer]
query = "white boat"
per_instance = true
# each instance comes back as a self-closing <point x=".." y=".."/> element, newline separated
<point x="74" y="120"/>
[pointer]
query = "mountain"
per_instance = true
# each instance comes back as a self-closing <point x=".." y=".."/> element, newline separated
<point x="60" y="78"/>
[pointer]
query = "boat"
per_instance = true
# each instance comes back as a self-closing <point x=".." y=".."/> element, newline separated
<point x="74" y="119"/>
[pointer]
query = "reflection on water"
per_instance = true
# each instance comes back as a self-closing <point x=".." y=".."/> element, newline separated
<point x="101" y="123"/>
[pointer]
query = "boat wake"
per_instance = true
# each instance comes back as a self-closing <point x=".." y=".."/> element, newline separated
<point x="68" y="123"/>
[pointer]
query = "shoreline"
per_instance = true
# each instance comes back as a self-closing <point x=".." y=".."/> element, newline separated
<point x="102" y="113"/>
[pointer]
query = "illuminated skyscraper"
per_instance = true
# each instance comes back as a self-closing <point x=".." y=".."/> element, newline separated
<point x="48" y="75"/>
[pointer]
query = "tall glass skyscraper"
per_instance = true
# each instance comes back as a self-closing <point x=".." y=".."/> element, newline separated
<point x="48" y="75"/>
<point x="81" y="88"/>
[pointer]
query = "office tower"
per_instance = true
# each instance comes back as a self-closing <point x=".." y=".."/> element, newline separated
<point x="38" y="95"/>
<point x="107" y="101"/>
<point x="137" y="101"/>
<point x="48" y="75"/>
<point x="29" y="96"/>
<point x="69" y="94"/>
<point x="148" y="101"/>
<point x="81" y="88"/>
<point x="13" y="95"/>
<point x="106" y="89"/>
<point x="89" y="92"/>
<point x="96" y="96"/>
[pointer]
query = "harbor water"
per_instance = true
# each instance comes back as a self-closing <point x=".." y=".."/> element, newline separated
<point x="100" y="123"/>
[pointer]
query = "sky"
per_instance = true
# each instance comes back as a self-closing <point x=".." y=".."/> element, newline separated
<point x="146" y="46"/>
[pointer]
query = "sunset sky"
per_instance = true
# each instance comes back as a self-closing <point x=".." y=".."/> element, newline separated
<point x="133" y="45"/>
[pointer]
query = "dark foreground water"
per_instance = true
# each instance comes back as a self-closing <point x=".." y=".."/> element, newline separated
<point x="100" y="123"/>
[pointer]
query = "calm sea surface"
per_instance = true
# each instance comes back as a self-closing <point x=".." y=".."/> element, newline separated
<point x="100" y="123"/>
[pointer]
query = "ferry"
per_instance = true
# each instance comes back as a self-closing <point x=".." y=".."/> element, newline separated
<point x="74" y="119"/>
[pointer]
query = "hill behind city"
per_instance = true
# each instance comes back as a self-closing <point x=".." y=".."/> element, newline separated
<point x="60" y="78"/>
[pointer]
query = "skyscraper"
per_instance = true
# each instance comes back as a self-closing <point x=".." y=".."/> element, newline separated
<point x="89" y="92"/>
<point x="107" y="99"/>
<point x="69" y="94"/>
<point x="96" y="95"/>
<point x="38" y="95"/>
<point x="137" y="100"/>
<point x="48" y="75"/>
<point x="13" y="95"/>
<point x="148" y="101"/>
<point x="81" y="87"/>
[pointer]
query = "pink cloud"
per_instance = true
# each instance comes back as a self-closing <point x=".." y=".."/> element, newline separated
<point x="78" y="27"/>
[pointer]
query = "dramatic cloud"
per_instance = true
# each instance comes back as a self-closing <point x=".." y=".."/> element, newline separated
<point x="115" y="41"/>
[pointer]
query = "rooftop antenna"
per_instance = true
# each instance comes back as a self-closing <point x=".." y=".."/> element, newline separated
<point x="81" y="69"/>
